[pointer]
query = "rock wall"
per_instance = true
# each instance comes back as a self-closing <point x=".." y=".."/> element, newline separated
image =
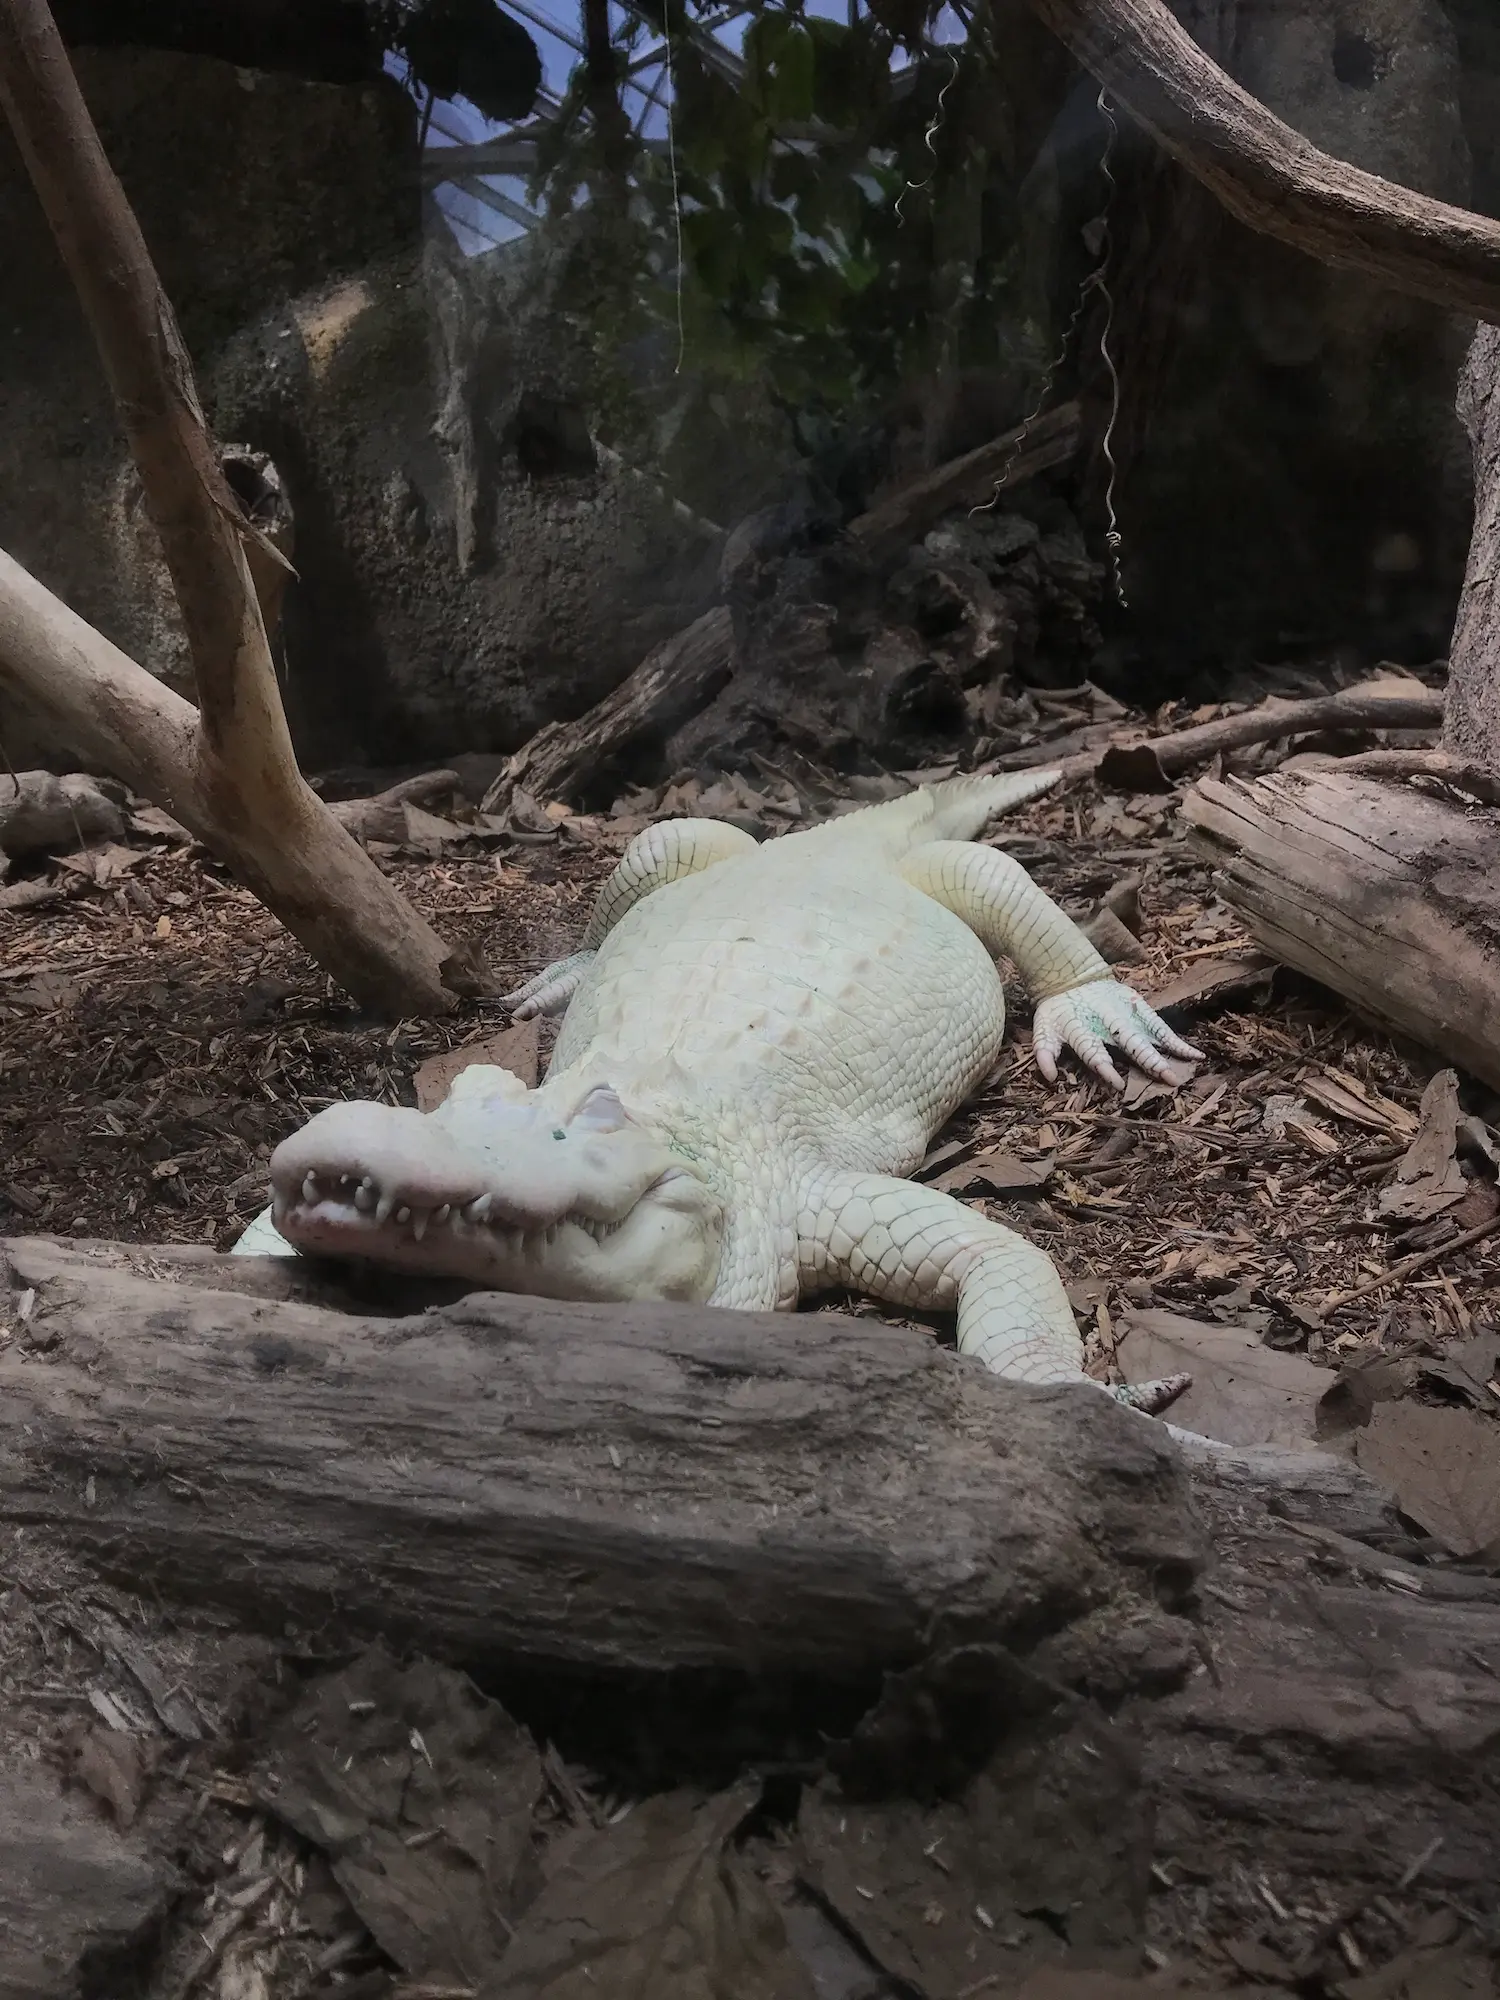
<point x="455" y="589"/>
<point x="1301" y="480"/>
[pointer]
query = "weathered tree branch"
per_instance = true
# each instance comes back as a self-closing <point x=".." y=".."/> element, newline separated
<point x="988" y="473"/>
<point x="1153" y="762"/>
<point x="282" y="842"/>
<point x="231" y="775"/>
<point x="1267" y="174"/>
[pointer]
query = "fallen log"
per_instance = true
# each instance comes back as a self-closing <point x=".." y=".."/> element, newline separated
<point x="1380" y="892"/>
<point x="681" y="676"/>
<point x="671" y="684"/>
<point x="382" y="816"/>
<point x="613" y="1487"/>
<point x="1152" y="763"/>
<point x="980" y="477"/>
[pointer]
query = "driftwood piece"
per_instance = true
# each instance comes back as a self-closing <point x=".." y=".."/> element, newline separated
<point x="1152" y="763"/>
<point x="1268" y="175"/>
<point x="383" y="815"/>
<point x="1443" y="769"/>
<point x="227" y="771"/>
<point x="620" y="1487"/>
<point x="1380" y="892"/>
<point x="987" y="473"/>
<point x="672" y="683"/>
<point x="41" y="813"/>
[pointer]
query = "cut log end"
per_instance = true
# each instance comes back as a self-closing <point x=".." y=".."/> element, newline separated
<point x="1381" y="892"/>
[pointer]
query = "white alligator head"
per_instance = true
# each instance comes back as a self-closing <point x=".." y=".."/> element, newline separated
<point x="515" y="1189"/>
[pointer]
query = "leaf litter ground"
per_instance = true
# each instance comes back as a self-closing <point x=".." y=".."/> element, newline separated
<point x="159" y="1034"/>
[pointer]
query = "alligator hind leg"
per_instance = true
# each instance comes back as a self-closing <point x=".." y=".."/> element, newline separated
<point x="912" y="1246"/>
<point x="662" y="854"/>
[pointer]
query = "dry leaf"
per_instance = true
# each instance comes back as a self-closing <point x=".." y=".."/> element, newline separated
<point x="424" y="833"/>
<point x="1444" y="1467"/>
<point x="109" y="1762"/>
<point x="1469" y="1366"/>
<point x="1143" y="1089"/>
<point x="1346" y="1097"/>
<point x="1247" y="975"/>
<point x="657" y="1907"/>
<point x="999" y="1173"/>
<point x="1429" y="1178"/>
<point x="421" y="1791"/>
<point x="1242" y="1393"/>
<point x="157" y="825"/>
<point x="515" y="1049"/>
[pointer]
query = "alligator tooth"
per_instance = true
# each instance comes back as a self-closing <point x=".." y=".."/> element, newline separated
<point x="383" y="1209"/>
<point x="419" y="1224"/>
<point x="310" y="1189"/>
<point x="403" y="1213"/>
<point x="477" y="1210"/>
<point x="364" y="1196"/>
<point x="440" y="1215"/>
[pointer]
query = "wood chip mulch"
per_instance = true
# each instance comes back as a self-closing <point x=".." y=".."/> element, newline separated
<point x="159" y="1034"/>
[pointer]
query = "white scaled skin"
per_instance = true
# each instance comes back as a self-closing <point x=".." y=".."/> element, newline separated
<point x="760" y="1041"/>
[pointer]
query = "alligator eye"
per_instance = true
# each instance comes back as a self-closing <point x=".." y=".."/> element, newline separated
<point x="558" y="1132"/>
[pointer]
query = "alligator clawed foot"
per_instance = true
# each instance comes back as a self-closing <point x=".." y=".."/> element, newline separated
<point x="1152" y="1397"/>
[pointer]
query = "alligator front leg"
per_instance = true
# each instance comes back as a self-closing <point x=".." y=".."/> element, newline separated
<point x="661" y="854"/>
<point x="1079" y="1003"/>
<point x="912" y="1246"/>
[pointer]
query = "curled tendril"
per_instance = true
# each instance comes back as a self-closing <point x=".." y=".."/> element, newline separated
<point x="1096" y="281"/>
<point x="1112" y="536"/>
<point x="929" y="136"/>
<point x="671" y="97"/>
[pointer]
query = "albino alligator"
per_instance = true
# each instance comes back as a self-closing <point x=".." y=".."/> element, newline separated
<point x="759" y="1042"/>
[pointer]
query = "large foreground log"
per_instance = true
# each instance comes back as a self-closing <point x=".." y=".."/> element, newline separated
<point x="639" y="1488"/>
<point x="1377" y="890"/>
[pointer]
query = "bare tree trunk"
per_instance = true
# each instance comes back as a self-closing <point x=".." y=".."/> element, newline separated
<point x="232" y="775"/>
<point x="1471" y="730"/>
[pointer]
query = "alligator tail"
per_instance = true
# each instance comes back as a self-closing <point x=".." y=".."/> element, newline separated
<point x="963" y="807"/>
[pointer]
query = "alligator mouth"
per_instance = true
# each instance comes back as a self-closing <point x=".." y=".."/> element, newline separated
<point x="346" y="1215"/>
